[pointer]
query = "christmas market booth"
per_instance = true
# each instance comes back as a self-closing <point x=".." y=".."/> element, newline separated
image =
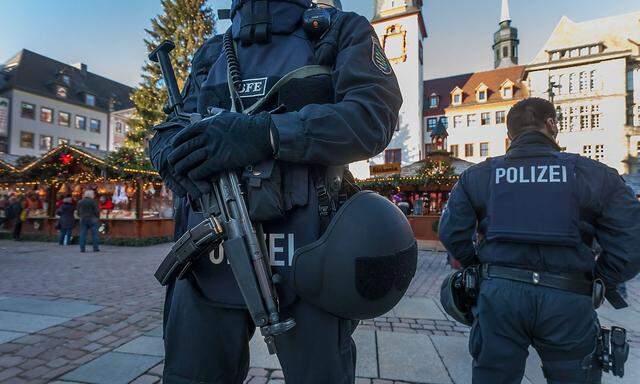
<point x="420" y="189"/>
<point x="134" y="204"/>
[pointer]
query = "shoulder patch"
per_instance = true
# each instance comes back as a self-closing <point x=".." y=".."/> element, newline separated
<point x="378" y="57"/>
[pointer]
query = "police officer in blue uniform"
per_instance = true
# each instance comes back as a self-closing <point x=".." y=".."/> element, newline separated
<point x="340" y="106"/>
<point x="536" y="211"/>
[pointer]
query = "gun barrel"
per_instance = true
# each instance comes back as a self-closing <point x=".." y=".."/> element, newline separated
<point x="161" y="55"/>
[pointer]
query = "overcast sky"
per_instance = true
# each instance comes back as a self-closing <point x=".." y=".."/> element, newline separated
<point x="107" y="34"/>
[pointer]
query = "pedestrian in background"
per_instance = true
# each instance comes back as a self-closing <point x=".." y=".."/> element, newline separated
<point x="66" y="221"/>
<point x="17" y="213"/>
<point x="4" y="207"/>
<point x="89" y="214"/>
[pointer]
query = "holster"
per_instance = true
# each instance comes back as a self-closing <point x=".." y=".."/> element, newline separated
<point x="613" y="350"/>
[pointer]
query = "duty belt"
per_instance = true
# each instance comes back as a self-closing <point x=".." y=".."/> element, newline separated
<point x="572" y="282"/>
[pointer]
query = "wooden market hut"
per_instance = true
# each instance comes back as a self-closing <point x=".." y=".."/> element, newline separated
<point x="69" y="170"/>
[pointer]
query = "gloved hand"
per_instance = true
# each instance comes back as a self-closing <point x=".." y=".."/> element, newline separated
<point x="222" y="142"/>
<point x="159" y="148"/>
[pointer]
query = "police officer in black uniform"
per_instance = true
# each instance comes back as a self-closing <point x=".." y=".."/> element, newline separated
<point x="536" y="211"/>
<point x="306" y="121"/>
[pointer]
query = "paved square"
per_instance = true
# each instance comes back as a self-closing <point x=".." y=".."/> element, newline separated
<point x="113" y="368"/>
<point x="96" y="318"/>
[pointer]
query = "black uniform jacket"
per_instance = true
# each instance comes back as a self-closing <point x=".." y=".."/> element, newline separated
<point x="608" y="212"/>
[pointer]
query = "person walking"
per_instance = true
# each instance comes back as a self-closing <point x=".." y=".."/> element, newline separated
<point x="17" y="213"/>
<point x="536" y="211"/>
<point x="66" y="221"/>
<point x="89" y="214"/>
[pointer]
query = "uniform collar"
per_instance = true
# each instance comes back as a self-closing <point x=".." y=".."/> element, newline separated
<point x="529" y="140"/>
<point x="285" y="15"/>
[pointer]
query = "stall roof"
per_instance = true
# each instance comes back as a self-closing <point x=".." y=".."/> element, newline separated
<point x="97" y="156"/>
<point x="412" y="169"/>
<point x="8" y="161"/>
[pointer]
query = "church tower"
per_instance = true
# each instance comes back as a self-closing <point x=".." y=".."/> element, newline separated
<point x="400" y="27"/>
<point x="505" y="40"/>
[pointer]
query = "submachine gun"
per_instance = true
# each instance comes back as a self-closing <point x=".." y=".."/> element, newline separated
<point x="227" y="221"/>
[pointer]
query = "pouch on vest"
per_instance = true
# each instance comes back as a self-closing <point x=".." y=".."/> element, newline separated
<point x="264" y="191"/>
<point x="533" y="200"/>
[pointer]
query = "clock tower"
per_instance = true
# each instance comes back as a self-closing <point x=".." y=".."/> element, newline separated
<point x="401" y="29"/>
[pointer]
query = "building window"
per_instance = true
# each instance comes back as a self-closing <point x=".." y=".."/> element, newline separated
<point x="572" y="83"/>
<point x="587" y="151"/>
<point x="66" y="79"/>
<point x="46" y="115"/>
<point x="505" y="51"/>
<point x="485" y="118"/>
<point x="561" y="84"/>
<point x="484" y="149"/>
<point x="89" y="99"/>
<point x="81" y="122"/>
<point x="64" y="119"/>
<point x="584" y="117"/>
<point x="431" y="124"/>
<point x="501" y="117"/>
<point x="393" y="156"/>
<point x="593" y="80"/>
<point x="599" y="155"/>
<point x="444" y="122"/>
<point x="595" y="117"/>
<point x="80" y="143"/>
<point x="429" y="147"/>
<point x="45" y="142"/>
<point x="28" y="111"/>
<point x="573" y="119"/>
<point x="584" y="82"/>
<point x="94" y="125"/>
<point x="472" y="120"/>
<point x="118" y="127"/>
<point x="457" y="99"/>
<point x="468" y="150"/>
<point x="454" y="149"/>
<point x="26" y="139"/>
<point x="457" y="121"/>
<point x="595" y="49"/>
<point x="94" y="146"/>
<point x="61" y="91"/>
<point x="433" y="101"/>
<point x="62" y="141"/>
<point x="482" y="96"/>
<point x="507" y="92"/>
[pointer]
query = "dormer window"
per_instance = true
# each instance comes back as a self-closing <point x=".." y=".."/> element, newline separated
<point x="89" y="99"/>
<point x="61" y="91"/>
<point x="433" y="101"/>
<point x="456" y="96"/>
<point x="506" y="89"/>
<point x="66" y="79"/>
<point x="481" y="93"/>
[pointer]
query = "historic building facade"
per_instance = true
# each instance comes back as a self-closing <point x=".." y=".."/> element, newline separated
<point x="44" y="103"/>
<point x="401" y="30"/>
<point x="591" y="70"/>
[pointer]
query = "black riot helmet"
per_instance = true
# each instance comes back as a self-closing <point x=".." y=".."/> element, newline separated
<point x="362" y="264"/>
<point x="453" y="299"/>
<point x="255" y="21"/>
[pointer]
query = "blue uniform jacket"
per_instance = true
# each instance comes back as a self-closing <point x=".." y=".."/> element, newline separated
<point x="608" y="212"/>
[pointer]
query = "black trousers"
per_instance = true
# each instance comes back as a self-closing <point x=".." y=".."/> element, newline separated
<point x="17" y="229"/>
<point x="510" y="316"/>
<point x="205" y="343"/>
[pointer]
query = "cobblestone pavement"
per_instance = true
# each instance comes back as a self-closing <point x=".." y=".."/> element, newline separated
<point x="95" y="318"/>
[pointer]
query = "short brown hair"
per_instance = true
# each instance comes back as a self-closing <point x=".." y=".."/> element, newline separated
<point x="529" y="115"/>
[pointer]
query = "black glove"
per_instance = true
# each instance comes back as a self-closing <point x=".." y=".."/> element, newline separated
<point x="222" y="142"/>
<point x="159" y="147"/>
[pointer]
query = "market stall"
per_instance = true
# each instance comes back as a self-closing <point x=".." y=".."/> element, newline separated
<point x="420" y="189"/>
<point x="133" y="202"/>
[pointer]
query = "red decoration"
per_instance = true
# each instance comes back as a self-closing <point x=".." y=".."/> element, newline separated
<point x="66" y="158"/>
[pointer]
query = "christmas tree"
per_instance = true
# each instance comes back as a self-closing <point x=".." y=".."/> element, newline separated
<point x="188" y="23"/>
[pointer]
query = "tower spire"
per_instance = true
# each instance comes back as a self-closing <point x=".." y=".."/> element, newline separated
<point x="505" y="11"/>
